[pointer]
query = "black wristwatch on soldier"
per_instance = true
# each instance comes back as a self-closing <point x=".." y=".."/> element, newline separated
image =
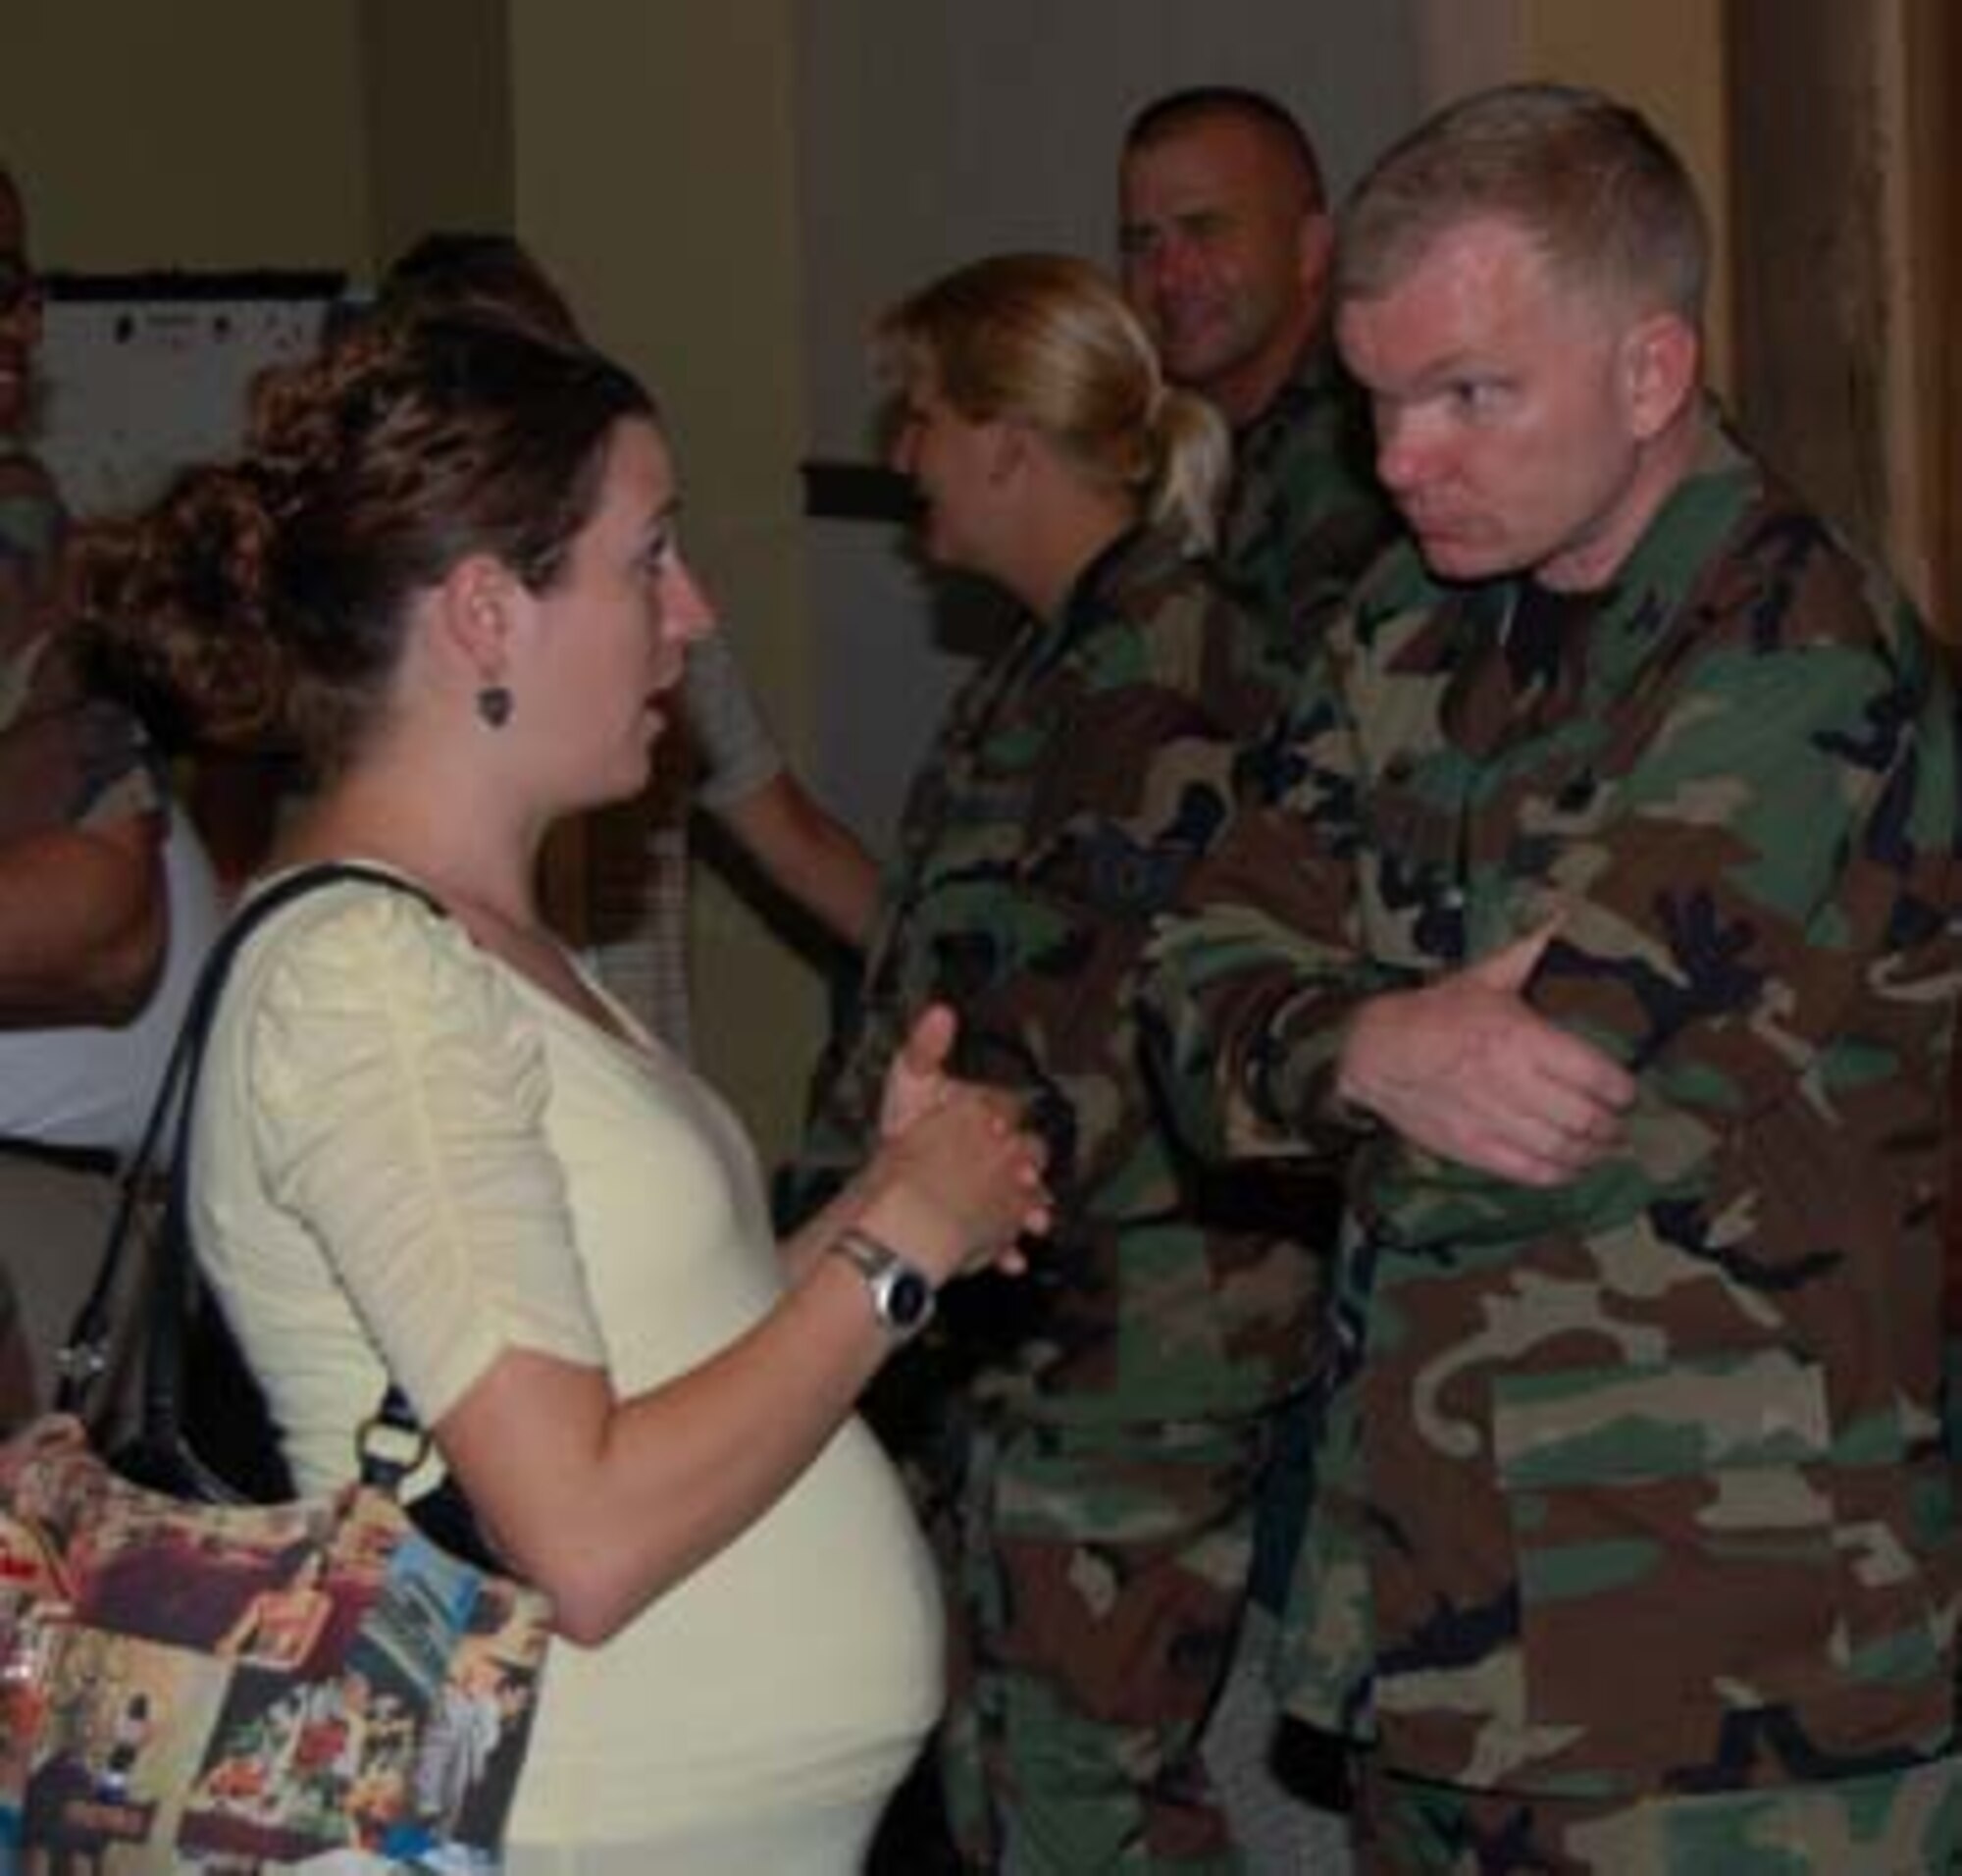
<point x="901" y="1294"/>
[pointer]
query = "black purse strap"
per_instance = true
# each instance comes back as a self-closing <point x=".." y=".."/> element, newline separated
<point x="166" y="1142"/>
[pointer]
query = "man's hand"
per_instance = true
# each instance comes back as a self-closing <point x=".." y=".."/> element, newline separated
<point x="1465" y="1069"/>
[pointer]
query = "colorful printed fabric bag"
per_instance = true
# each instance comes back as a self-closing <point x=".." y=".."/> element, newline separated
<point x="188" y="1687"/>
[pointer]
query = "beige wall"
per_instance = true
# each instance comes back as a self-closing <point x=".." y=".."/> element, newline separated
<point x="437" y="104"/>
<point x="204" y="134"/>
<point x="309" y="136"/>
<point x="655" y="176"/>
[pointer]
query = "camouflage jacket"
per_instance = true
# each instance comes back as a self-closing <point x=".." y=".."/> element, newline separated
<point x="1069" y="790"/>
<point x="1632" y="1484"/>
<point x="1304" y="515"/>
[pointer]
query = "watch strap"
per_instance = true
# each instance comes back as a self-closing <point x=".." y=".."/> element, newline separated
<point x="901" y="1293"/>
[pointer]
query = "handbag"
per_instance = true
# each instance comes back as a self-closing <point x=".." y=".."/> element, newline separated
<point x="191" y="1679"/>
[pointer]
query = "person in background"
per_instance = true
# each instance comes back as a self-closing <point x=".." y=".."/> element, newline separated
<point x="428" y="1149"/>
<point x="1225" y="237"/>
<point x="1597" y="911"/>
<point x="1228" y="241"/>
<point x="106" y="903"/>
<point x="1096" y="1451"/>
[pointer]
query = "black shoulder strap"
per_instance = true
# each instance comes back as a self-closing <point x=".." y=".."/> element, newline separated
<point x="164" y="1142"/>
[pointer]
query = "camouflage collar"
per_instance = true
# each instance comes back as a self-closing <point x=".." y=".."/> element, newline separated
<point x="1138" y="553"/>
<point x="1316" y="375"/>
<point x="1657" y="579"/>
<point x="1623" y="620"/>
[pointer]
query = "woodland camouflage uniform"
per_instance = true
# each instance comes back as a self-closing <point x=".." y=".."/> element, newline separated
<point x="1634" y="1542"/>
<point x="1304" y="515"/>
<point x="1303" y="518"/>
<point x="1096" y="1436"/>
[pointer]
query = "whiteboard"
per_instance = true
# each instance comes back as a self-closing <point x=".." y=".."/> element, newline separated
<point x="143" y="373"/>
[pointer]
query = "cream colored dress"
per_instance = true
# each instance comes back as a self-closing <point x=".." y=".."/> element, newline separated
<point x="404" y="1151"/>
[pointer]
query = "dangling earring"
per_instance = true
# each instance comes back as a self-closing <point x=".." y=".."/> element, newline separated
<point x="494" y="706"/>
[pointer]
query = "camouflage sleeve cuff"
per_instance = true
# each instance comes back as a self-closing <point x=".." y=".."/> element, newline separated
<point x="1253" y="1076"/>
<point x="1294" y="1075"/>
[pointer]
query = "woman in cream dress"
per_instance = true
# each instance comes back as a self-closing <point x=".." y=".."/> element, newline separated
<point x="428" y="1149"/>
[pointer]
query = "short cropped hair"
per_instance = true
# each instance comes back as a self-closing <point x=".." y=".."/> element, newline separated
<point x="1167" y="117"/>
<point x="1608" y="201"/>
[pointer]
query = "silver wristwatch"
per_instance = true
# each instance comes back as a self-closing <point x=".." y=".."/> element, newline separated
<point x="901" y="1295"/>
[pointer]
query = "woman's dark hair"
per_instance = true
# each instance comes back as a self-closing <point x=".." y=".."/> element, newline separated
<point x="264" y="598"/>
<point x="457" y="274"/>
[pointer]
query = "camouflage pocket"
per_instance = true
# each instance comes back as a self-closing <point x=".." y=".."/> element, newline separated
<point x="1712" y="1577"/>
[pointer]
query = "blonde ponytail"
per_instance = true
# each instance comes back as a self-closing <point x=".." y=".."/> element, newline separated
<point x="1195" y="458"/>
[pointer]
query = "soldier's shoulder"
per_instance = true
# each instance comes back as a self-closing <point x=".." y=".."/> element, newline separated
<point x="1793" y="579"/>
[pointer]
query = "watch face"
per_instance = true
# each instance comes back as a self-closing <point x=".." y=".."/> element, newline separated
<point x="908" y="1299"/>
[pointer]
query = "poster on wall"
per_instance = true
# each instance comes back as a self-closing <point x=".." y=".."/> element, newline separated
<point x="143" y="373"/>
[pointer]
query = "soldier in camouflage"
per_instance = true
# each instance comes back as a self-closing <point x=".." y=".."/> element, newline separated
<point x="1226" y="239"/>
<point x="1597" y="908"/>
<point x="1097" y="1462"/>
<point x="1225" y="234"/>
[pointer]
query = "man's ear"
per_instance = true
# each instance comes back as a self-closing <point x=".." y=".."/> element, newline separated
<point x="1661" y="359"/>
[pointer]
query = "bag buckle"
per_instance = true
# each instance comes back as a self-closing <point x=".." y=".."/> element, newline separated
<point x="79" y="1363"/>
<point x="389" y="1450"/>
